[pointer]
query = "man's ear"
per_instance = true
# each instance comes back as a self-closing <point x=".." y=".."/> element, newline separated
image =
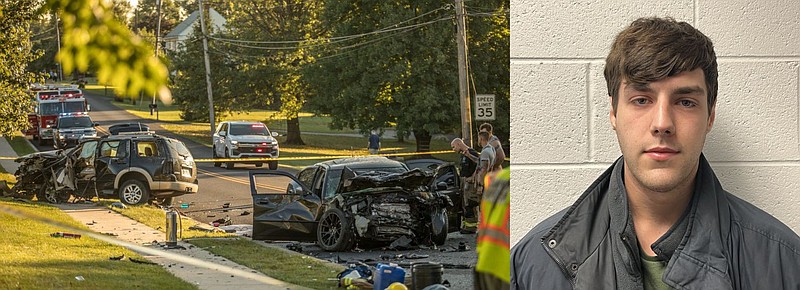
<point x="612" y="114"/>
<point x="711" y="118"/>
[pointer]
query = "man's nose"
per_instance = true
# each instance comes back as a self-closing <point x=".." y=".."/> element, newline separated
<point x="662" y="123"/>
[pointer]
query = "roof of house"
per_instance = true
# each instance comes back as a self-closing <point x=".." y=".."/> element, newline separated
<point x="187" y="24"/>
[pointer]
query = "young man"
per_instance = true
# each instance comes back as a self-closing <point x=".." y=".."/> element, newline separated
<point x="486" y="160"/>
<point x="500" y="154"/>
<point x="374" y="145"/>
<point x="658" y="218"/>
<point x="471" y="196"/>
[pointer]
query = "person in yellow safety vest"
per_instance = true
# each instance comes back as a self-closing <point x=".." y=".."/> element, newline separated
<point x="494" y="257"/>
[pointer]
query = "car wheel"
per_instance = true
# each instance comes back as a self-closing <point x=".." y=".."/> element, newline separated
<point x="214" y="154"/>
<point x="273" y="165"/>
<point x="134" y="192"/>
<point x="51" y="195"/>
<point x="439" y="226"/>
<point x="229" y="164"/>
<point x="259" y="164"/>
<point x="334" y="232"/>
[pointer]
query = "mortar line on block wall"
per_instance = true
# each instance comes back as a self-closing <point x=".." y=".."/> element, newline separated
<point x="596" y="165"/>
<point x="556" y="60"/>
<point x="590" y="113"/>
<point x="757" y="58"/>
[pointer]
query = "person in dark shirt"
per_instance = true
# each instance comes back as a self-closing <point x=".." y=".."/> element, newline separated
<point x="471" y="196"/>
<point x="374" y="143"/>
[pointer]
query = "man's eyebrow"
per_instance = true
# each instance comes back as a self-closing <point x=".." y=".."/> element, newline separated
<point x="638" y="87"/>
<point x="689" y="90"/>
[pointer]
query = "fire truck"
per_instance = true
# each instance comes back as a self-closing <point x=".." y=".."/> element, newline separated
<point x="49" y="102"/>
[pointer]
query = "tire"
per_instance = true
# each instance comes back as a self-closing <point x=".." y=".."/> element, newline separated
<point x="214" y="155"/>
<point x="441" y="237"/>
<point x="259" y="164"/>
<point x="273" y="165"/>
<point x="48" y="193"/>
<point x="228" y="165"/>
<point x="134" y="192"/>
<point x="334" y="233"/>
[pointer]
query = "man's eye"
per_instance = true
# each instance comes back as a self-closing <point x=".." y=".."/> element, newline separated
<point x="640" y="101"/>
<point x="688" y="103"/>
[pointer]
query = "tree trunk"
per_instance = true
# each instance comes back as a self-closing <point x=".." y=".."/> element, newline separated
<point x="423" y="138"/>
<point x="293" y="131"/>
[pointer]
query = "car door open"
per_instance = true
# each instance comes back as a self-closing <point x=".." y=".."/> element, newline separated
<point x="283" y="208"/>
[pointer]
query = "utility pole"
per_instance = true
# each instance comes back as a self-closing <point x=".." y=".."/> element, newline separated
<point x="153" y="106"/>
<point x="58" y="43"/>
<point x="463" y="86"/>
<point x="208" y="67"/>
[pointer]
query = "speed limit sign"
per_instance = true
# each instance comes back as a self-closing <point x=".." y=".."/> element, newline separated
<point x="484" y="108"/>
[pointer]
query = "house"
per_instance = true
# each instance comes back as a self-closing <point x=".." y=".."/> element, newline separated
<point x="184" y="30"/>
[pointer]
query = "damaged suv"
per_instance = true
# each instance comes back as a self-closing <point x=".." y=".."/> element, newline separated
<point x="136" y="168"/>
<point x="342" y="202"/>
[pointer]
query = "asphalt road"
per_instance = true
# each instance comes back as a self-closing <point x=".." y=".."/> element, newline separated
<point x="219" y="186"/>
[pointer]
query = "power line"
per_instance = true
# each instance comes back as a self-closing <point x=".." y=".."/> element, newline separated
<point x="346" y="37"/>
<point x="240" y="43"/>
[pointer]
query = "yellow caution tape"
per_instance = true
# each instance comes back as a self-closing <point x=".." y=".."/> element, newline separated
<point x="315" y="157"/>
<point x="296" y="158"/>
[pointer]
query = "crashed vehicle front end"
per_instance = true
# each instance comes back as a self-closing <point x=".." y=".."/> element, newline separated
<point x="386" y="207"/>
<point x="36" y="171"/>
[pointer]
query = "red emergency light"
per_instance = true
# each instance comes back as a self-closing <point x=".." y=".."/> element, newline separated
<point x="259" y="150"/>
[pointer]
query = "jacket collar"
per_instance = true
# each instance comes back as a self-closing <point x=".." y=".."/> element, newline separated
<point x="694" y="245"/>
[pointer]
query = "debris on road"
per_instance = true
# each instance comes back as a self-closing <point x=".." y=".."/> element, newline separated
<point x="137" y="261"/>
<point x="295" y="247"/>
<point x="226" y="221"/>
<point x="65" y="235"/>
<point x="245" y="213"/>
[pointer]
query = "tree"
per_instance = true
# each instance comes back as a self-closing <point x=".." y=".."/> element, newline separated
<point x="402" y="67"/>
<point x="91" y="38"/>
<point x="145" y="16"/>
<point x="189" y="87"/>
<point x="15" y="54"/>
<point x="121" y="9"/>
<point x="269" y="65"/>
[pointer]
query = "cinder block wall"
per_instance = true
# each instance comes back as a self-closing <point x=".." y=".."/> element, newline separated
<point x="561" y="135"/>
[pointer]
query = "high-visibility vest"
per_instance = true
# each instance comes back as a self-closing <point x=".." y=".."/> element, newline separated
<point x="494" y="256"/>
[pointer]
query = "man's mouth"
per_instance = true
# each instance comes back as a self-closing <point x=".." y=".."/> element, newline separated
<point x="661" y="153"/>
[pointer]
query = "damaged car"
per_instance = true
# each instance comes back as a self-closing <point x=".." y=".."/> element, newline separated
<point x="134" y="168"/>
<point x="362" y="200"/>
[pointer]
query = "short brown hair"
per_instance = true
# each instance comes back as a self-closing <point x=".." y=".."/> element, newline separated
<point x="486" y="126"/>
<point x="651" y="49"/>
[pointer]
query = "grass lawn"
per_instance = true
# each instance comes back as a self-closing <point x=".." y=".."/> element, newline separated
<point x="20" y="144"/>
<point x="282" y="265"/>
<point x="155" y="218"/>
<point x="32" y="259"/>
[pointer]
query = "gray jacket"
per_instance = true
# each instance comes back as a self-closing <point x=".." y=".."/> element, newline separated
<point x="721" y="242"/>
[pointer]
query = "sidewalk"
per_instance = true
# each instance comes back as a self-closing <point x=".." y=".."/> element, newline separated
<point x="6" y="151"/>
<point x="104" y="221"/>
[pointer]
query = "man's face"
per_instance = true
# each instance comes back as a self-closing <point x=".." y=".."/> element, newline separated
<point x="661" y="128"/>
<point x="483" y="141"/>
